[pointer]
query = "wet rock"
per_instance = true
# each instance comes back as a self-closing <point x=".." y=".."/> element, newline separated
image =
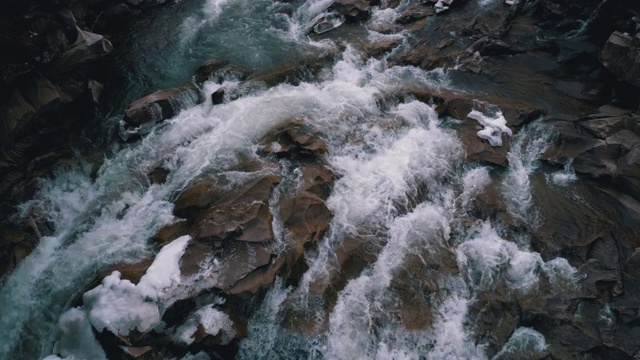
<point x="170" y="232"/>
<point x="384" y="27"/>
<point x="352" y="9"/>
<point x="241" y="214"/>
<point x="489" y="47"/>
<point x="330" y="21"/>
<point x="413" y="13"/>
<point x="304" y="213"/>
<point x="294" y="142"/>
<point x="427" y="55"/>
<point x="217" y="97"/>
<point x="516" y="114"/>
<point x="379" y="47"/>
<point x="292" y="72"/>
<point x="219" y="70"/>
<point x="622" y="57"/>
<point x="471" y="63"/>
<point x="158" y="176"/>
<point x="161" y="105"/>
<point x="604" y="144"/>
<point x="476" y="149"/>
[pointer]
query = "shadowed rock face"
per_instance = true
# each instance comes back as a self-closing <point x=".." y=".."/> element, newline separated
<point x="620" y="55"/>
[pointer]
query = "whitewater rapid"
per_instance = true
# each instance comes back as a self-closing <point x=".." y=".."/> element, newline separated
<point x="402" y="191"/>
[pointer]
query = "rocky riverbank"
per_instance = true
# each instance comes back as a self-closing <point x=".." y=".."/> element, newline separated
<point x="564" y="71"/>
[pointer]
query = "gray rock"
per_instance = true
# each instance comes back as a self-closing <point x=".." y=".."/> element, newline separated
<point x="622" y="57"/>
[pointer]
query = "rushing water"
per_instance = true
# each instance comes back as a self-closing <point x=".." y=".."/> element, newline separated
<point x="402" y="191"/>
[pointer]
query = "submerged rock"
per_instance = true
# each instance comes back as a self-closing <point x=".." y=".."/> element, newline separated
<point x="330" y="21"/>
<point x="161" y="105"/>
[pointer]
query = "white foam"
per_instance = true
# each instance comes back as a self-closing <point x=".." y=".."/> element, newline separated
<point x="561" y="274"/>
<point x="523" y="341"/>
<point x="487" y="260"/>
<point x="494" y="126"/>
<point x="474" y="182"/>
<point x="564" y="177"/>
<point x="527" y="147"/>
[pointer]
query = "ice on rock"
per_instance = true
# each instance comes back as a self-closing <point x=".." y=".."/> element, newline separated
<point x="213" y="322"/>
<point x="493" y="121"/>
<point x="121" y="306"/>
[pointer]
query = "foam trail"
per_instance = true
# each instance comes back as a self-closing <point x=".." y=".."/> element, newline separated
<point x="526" y="149"/>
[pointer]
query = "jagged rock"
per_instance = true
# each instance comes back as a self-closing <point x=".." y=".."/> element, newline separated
<point x="471" y="62"/>
<point x="161" y="105"/>
<point x="489" y="47"/>
<point x="413" y="13"/>
<point x="88" y="48"/>
<point x="602" y="144"/>
<point x="206" y="70"/>
<point x="622" y="57"/>
<point x="243" y="213"/>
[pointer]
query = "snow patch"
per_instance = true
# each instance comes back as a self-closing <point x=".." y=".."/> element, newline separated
<point x="121" y="306"/>
<point x="213" y="322"/>
<point x="494" y="125"/>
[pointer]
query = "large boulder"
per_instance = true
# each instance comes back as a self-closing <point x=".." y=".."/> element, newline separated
<point x="622" y="57"/>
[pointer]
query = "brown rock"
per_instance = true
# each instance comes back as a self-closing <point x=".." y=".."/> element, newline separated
<point x="294" y="141"/>
<point x="414" y="12"/>
<point x="170" y="232"/>
<point x="477" y="149"/>
<point x="206" y="70"/>
<point x="243" y="213"/>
